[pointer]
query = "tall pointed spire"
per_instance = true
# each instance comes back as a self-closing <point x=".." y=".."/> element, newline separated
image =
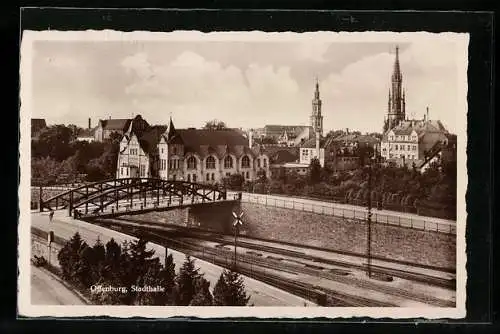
<point x="316" y="92"/>
<point x="397" y="69"/>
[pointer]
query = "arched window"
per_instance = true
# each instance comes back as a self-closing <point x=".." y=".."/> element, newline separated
<point x="210" y="163"/>
<point x="228" y="162"/>
<point x="245" y="162"/>
<point x="191" y="162"/>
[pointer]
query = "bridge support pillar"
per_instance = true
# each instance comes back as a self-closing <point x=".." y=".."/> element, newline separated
<point x="40" y="200"/>
<point x="186" y="217"/>
<point x="70" y="206"/>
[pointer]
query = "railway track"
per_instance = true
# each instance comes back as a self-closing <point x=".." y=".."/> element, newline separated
<point x="215" y="255"/>
<point x="377" y="269"/>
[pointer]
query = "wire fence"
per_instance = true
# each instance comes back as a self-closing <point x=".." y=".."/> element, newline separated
<point x="348" y="213"/>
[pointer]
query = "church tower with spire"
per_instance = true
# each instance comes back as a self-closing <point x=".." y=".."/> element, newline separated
<point x="396" y="105"/>
<point x="316" y="117"/>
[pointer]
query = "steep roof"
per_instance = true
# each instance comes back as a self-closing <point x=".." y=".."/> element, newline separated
<point x="150" y="138"/>
<point x="271" y="150"/>
<point x="352" y="137"/>
<point x="311" y="143"/>
<point x="283" y="156"/>
<point x="37" y="124"/>
<point x="115" y="124"/>
<point x="294" y="130"/>
<point x="204" y="141"/>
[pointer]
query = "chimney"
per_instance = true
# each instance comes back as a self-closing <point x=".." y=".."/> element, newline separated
<point x="347" y="130"/>
<point x="250" y="138"/>
<point x="90" y="126"/>
<point x="427" y="117"/>
<point x="109" y="117"/>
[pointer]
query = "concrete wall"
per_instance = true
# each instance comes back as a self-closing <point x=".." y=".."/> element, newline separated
<point x="212" y="216"/>
<point x="313" y="229"/>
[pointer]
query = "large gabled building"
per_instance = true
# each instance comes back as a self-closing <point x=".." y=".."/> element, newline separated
<point x="193" y="155"/>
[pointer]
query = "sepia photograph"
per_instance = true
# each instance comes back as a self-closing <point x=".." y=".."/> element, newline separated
<point x="243" y="174"/>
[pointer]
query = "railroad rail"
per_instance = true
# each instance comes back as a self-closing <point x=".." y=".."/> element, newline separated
<point x="273" y="263"/>
<point x="384" y="270"/>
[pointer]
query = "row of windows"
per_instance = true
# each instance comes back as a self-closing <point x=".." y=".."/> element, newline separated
<point x="193" y="177"/>
<point x="402" y="147"/>
<point x="403" y="138"/>
<point x="124" y="171"/>
<point x="403" y="156"/>
<point x="192" y="163"/>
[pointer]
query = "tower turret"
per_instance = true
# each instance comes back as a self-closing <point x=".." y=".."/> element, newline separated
<point x="316" y="117"/>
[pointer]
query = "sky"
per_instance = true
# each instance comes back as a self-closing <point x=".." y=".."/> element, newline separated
<point x="244" y="83"/>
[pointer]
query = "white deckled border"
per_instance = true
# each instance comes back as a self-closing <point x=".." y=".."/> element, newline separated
<point x="26" y="309"/>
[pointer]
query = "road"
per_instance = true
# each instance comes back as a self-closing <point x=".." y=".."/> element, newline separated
<point x="65" y="227"/>
<point x="46" y="289"/>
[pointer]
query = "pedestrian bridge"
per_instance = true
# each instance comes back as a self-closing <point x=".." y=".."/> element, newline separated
<point x="112" y="197"/>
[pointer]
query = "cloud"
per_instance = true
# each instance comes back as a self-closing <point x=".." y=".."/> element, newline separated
<point x="314" y="51"/>
<point x="138" y="64"/>
<point x="190" y="85"/>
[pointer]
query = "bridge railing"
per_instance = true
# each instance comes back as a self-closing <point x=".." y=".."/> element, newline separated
<point x="360" y="215"/>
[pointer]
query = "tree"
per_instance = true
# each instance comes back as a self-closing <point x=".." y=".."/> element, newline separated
<point x="54" y="142"/>
<point x="139" y="261"/>
<point x="169" y="280"/>
<point x="220" y="291"/>
<point x="234" y="181"/>
<point x="152" y="278"/>
<point x="186" y="282"/>
<point x="202" y="296"/>
<point x="215" y="125"/>
<point x="74" y="131"/>
<point x="85" y="267"/>
<point x="45" y="170"/>
<point x="334" y="133"/>
<point x="230" y="290"/>
<point x="314" y="171"/>
<point x="69" y="256"/>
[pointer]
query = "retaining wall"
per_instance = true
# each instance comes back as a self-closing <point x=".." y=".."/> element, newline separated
<point x="424" y="247"/>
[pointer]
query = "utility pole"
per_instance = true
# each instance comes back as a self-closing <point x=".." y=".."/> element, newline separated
<point x="369" y="220"/>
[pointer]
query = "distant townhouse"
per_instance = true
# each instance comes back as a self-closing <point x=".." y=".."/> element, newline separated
<point x="108" y="126"/>
<point x="411" y="142"/>
<point x="37" y="125"/>
<point x="344" y="152"/>
<point x="138" y="154"/>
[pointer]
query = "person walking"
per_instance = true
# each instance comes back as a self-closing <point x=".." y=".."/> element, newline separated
<point x="51" y="215"/>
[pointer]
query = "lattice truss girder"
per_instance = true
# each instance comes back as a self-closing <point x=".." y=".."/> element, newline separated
<point x="100" y="195"/>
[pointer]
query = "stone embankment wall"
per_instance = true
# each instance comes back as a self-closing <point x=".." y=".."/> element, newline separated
<point x="313" y="229"/>
<point x="424" y="247"/>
